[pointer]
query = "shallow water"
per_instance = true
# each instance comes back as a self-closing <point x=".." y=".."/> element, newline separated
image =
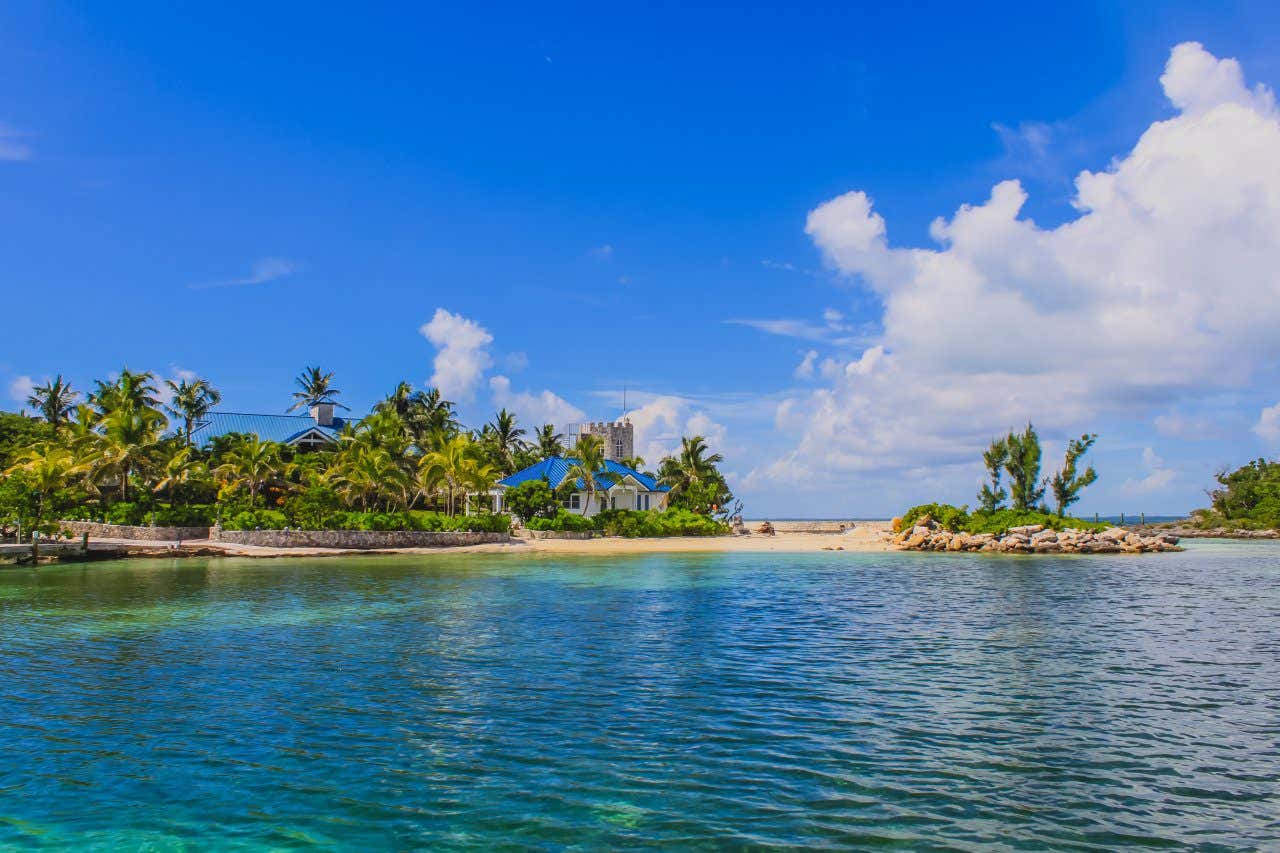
<point x="714" y="701"/>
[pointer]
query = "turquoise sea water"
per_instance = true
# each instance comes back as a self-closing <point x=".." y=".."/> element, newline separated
<point x="833" y="700"/>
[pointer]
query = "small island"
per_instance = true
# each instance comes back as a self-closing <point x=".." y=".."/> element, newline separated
<point x="1025" y="525"/>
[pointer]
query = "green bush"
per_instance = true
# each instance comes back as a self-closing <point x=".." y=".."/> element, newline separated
<point x="650" y="523"/>
<point x="953" y="518"/>
<point x="309" y="516"/>
<point x="256" y="519"/>
<point x="562" y="521"/>
<point x="959" y="519"/>
<point x="532" y="499"/>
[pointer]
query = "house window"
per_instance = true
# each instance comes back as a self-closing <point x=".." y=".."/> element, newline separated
<point x="617" y="448"/>
<point x="613" y="502"/>
<point x="574" y="501"/>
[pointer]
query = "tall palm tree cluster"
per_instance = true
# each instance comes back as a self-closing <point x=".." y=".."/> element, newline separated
<point x="131" y="440"/>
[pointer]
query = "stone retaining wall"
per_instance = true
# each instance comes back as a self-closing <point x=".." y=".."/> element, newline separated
<point x="98" y="530"/>
<point x="561" y="534"/>
<point x="356" y="539"/>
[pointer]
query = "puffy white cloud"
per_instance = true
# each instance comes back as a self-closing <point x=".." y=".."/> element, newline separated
<point x="664" y="420"/>
<point x="462" y="354"/>
<point x="1163" y="287"/>
<point x="534" y="409"/>
<point x="1191" y="427"/>
<point x="21" y="387"/>
<point x="1158" y="477"/>
<point x="1268" y="425"/>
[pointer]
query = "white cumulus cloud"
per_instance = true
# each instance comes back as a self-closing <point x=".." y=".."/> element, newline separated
<point x="1268" y="425"/>
<point x="664" y="420"/>
<point x="21" y="387"/>
<point x="1163" y="287"/>
<point x="533" y="409"/>
<point x="462" y="353"/>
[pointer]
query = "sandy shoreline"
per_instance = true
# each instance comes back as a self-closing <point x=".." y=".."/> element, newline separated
<point x="865" y="536"/>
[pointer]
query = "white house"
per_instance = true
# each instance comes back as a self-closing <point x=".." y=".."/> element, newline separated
<point x="630" y="490"/>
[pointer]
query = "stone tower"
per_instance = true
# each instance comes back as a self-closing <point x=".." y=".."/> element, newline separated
<point x="619" y="437"/>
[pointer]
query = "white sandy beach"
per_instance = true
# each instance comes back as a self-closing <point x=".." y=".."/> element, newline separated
<point x="865" y="536"/>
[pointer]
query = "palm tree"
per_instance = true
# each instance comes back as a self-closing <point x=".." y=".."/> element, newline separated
<point x="550" y="442"/>
<point x="192" y="400"/>
<point x="128" y="391"/>
<point x="47" y="469"/>
<point x="180" y="468"/>
<point x="438" y="415"/>
<point x="505" y="438"/>
<point x="455" y="465"/>
<point x="314" y="386"/>
<point x="252" y="463"/>
<point x="589" y="468"/>
<point x="635" y="463"/>
<point x="125" y="441"/>
<point x="692" y="465"/>
<point x="363" y="474"/>
<point x="54" y="400"/>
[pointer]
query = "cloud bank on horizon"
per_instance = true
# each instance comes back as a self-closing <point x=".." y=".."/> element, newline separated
<point x="1164" y="290"/>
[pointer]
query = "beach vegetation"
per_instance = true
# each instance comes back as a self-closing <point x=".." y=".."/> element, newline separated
<point x="532" y="499"/>
<point x="958" y="519"/>
<point x="130" y="452"/>
<point x="1246" y="498"/>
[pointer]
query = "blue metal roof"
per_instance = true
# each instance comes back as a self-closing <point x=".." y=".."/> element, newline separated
<point x="556" y="468"/>
<point x="281" y="428"/>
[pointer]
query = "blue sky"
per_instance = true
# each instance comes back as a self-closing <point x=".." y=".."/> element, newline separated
<point x="607" y="198"/>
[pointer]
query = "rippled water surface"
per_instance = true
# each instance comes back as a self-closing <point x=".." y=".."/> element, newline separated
<point x="715" y="701"/>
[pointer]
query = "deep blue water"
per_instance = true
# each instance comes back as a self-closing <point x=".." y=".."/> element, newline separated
<point x="838" y="700"/>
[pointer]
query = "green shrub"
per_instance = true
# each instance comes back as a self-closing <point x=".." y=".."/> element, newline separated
<point x="256" y="519"/>
<point x="953" y="518"/>
<point x="562" y="521"/>
<point x="959" y="519"/>
<point x="651" y="523"/>
<point x="532" y="499"/>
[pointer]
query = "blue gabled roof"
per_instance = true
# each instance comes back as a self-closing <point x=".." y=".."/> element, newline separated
<point x="556" y="468"/>
<point x="281" y="428"/>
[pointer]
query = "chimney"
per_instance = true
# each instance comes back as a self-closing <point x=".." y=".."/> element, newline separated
<point x="323" y="413"/>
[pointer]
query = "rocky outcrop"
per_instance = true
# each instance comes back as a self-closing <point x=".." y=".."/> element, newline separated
<point x="1034" y="539"/>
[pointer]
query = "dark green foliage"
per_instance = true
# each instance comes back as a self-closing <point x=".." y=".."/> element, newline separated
<point x="958" y="519"/>
<point x="532" y="499"/>
<point x="256" y="519"/>
<point x="310" y="509"/>
<point x="19" y="504"/>
<point x="17" y="433"/>
<point x="141" y="514"/>
<point x="635" y="523"/>
<point x="953" y="518"/>
<point x="1023" y="466"/>
<point x="1067" y="484"/>
<point x="310" y="515"/>
<point x="1247" y="498"/>
<point x="561" y="521"/>
<point x="648" y="523"/>
<point x="995" y="457"/>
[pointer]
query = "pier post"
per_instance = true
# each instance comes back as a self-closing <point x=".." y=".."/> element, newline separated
<point x="35" y="549"/>
<point x="1122" y="519"/>
<point x="1142" y="518"/>
<point x="84" y="543"/>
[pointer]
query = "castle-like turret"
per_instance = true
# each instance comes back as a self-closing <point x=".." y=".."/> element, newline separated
<point x="619" y="437"/>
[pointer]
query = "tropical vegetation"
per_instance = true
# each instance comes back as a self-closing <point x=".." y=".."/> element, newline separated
<point x="129" y="452"/>
<point x="1247" y="498"/>
<point x="1017" y="457"/>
